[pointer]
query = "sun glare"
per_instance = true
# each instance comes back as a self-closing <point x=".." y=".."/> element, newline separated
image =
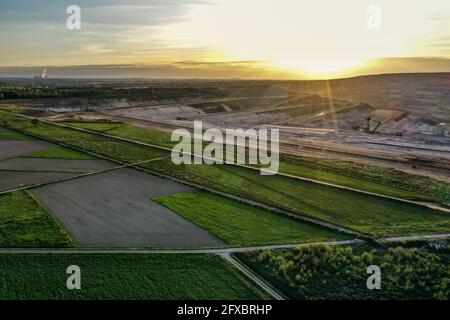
<point x="320" y="42"/>
<point x="319" y="70"/>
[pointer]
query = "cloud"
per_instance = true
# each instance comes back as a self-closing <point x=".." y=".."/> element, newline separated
<point x="440" y="16"/>
<point x="218" y="69"/>
<point x="442" y="43"/>
<point x="151" y="34"/>
<point x="35" y="30"/>
<point x="178" y="70"/>
<point x="406" y="65"/>
<point x="96" y="49"/>
<point x="115" y="12"/>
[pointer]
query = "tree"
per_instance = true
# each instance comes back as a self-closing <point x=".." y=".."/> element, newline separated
<point x="4" y="122"/>
<point x="35" y="122"/>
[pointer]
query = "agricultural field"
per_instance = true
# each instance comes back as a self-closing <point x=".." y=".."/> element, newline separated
<point x="384" y="181"/>
<point x="241" y="225"/>
<point x="25" y="162"/>
<point x="24" y="223"/>
<point x="60" y="153"/>
<point x="11" y="135"/>
<point x="127" y="131"/>
<point x="121" y="150"/>
<point x="55" y="165"/>
<point x="350" y="180"/>
<point x="370" y="215"/>
<point x="114" y="209"/>
<point x="372" y="178"/>
<point x="143" y="159"/>
<point x="13" y="174"/>
<point x="124" y="276"/>
<point x="16" y="148"/>
<point x="339" y="272"/>
<point x="12" y="180"/>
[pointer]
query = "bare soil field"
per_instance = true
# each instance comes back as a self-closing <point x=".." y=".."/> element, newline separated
<point x="115" y="209"/>
<point x="16" y="171"/>
<point x="12" y="179"/>
<point x="55" y="165"/>
<point x="13" y="148"/>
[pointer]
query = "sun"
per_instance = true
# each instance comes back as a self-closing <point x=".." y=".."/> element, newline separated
<point x="321" y="69"/>
<point x="291" y="40"/>
<point x="314" y="39"/>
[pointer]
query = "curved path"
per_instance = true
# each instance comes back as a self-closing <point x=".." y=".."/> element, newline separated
<point x="223" y="252"/>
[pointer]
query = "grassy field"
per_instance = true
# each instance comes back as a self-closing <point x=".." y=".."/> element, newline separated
<point x="128" y="131"/>
<point x="370" y="215"/>
<point x="59" y="153"/>
<point x="14" y="108"/>
<point x="316" y="272"/>
<point x="238" y="224"/>
<point x="371" y="178"/>
<point x="24" y="223"/>
<point x="344" y="180"/>
<point x="108" y="147"/>
<point x="12" y="135"/>
<point x="385" y="181"/>
<point x="123" y="276"/>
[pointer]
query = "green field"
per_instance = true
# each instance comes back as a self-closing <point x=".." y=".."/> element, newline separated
<point x="367" y="214"/>
<point x="340" y="272"/>
<point x="119" y="150"/>
<point x="14" y="108"/>
<point x="348" y="181"/>
<point x="123" y="276"/>
<point x="24" y="223"/>
<point x="238" y="224"/>
<point x="59" y="153"/>
<point x="373" y="216"/>
<point x="127" y="131"/>
<point x="385" y="181"/>
<point x="12" y="135"/>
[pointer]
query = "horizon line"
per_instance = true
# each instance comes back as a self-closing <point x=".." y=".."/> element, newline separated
<point x="225" y="79"/>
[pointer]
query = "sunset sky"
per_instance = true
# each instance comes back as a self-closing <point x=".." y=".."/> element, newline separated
<point x="292" y="39"/>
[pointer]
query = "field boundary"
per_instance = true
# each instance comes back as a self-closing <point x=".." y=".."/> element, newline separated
<point x="275" y="209"/>
<point x="57" y="221"/>
<point x="169" y="251"/>
<point x="304" y="218"/>
<point x="419" y="203"/>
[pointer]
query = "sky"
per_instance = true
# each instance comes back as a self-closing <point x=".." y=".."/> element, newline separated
<point x="257" y="39"/>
